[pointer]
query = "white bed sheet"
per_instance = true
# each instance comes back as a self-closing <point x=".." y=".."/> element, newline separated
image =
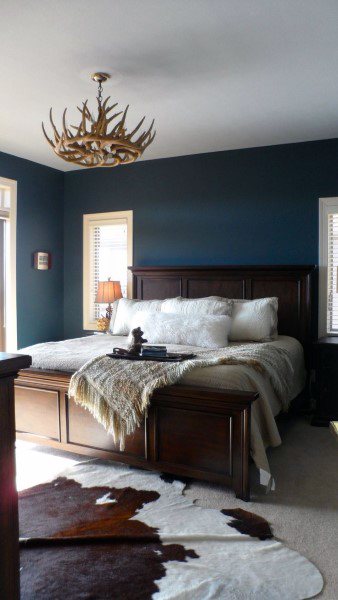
<point x="70" y="355"/>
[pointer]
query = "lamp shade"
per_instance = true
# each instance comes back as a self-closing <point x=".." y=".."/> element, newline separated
<point x="108" y="291"/>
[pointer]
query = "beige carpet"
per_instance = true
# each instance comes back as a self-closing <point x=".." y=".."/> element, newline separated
<point x="303" y="510"/>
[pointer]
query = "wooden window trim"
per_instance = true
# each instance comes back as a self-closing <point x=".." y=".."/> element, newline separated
<point x="326" y="206"/>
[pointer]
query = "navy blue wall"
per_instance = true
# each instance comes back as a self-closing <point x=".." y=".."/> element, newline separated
<point x="39" y="227"/>
<point x="254" y="206"/>
<point x="250" y="206"/>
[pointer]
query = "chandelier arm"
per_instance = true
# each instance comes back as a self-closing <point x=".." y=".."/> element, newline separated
<point x="85" y="114"/>
<point x="70" y="150"/>
<point x="88" y="115"/>
<point x="141" y="139"/>
<point x="46" y="136"/>
<point x="72" y="155"/>
<point x="56" y="133"/>
<point x="130" y="135"/>
<point x="103" y="107"/>
<point x="84" y="128"/>
<point x="148" y="140"/>
<point x="64" y="123"/>
<point x="114" y="130"/>
<point x="111" y="107"/>
<point x="114" y="116"/>
<point x="151" y="139"/>
<point x="145" y="134"/>
<point x="80" y="126"/>
<point x="102" y="121"/>
<point x="123" y="120"/>
<point x="101" y="125"/>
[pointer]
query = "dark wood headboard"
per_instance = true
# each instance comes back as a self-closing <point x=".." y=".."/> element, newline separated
<point x="293" y="285"/>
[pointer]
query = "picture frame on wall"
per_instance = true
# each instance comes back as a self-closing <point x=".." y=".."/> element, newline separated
<point x="42" y="261"/>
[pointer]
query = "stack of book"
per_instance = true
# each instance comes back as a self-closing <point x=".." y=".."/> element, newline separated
<point x="154" y="351"/>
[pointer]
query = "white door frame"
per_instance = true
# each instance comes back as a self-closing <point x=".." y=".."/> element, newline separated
<point x="10" y="300"/>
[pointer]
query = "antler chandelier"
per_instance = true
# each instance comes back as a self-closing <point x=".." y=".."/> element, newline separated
<point x="91" y="144"/>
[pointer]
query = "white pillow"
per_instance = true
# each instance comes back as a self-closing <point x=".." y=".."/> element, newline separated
<point x="207" y="331"/>
<point x="254" y="320"/>
<point x="127" y="308"/>
<point x="113" y="315"/>
<point x="197" y="306"/>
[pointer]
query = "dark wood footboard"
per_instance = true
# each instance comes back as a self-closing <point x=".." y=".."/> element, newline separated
<point x="189" y="431"/>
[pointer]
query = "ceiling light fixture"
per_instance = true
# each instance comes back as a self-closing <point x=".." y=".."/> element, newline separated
<point x="91" y="144"/>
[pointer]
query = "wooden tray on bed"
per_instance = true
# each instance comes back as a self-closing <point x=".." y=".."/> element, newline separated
<point x="171" y="357"/>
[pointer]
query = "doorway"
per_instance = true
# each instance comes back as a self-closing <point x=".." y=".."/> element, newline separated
<point x="8" y="317"/>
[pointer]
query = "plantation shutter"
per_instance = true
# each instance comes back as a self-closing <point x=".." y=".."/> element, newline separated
<point x="108" y="258"/>
<point x="332" y="268"/>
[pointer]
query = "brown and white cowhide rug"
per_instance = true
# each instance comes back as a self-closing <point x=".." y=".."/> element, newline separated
<point x="102" y="530"/>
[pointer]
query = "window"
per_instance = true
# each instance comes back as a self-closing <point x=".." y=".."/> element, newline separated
<point x="328" y="266"/>
<point x="107" y="252"/>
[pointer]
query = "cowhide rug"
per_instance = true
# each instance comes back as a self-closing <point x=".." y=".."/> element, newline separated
<point x="102" y="530"/>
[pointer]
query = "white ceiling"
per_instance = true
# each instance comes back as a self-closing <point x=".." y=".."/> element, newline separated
<point x="215" y="74"/>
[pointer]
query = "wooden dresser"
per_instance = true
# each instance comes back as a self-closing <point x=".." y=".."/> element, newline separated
<point x="326" y="365"/>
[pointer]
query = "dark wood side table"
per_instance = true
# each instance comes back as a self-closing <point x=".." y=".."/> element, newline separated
<point x="326" y="365"/>
<point x="10" y="364"/>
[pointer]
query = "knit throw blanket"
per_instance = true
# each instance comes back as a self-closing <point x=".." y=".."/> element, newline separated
<point x="118" y="392"/>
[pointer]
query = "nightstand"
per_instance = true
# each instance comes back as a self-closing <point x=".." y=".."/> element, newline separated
<point x="326" y="365"/>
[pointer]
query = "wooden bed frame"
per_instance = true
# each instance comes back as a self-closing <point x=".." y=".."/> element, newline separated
<point x="189" y="431"/>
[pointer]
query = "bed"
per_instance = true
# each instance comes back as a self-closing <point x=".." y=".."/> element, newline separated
<point x="197" y="428"/>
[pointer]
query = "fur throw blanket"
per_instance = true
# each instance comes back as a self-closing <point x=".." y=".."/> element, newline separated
<point x="118" y="392"/>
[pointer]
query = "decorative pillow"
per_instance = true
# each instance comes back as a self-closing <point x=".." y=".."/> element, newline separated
<point x="254" y="320"/>
<point x="113" y="315"/>
<point x="207" y="331"/>
<point x="197" y="306"/>
<point x="127" y="308"/>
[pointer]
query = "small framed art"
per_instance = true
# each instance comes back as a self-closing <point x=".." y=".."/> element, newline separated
<point x="42" y="261"/>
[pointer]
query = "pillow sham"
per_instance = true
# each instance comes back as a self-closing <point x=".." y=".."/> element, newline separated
<point x="113" y="315"/>
<point x="206" y="331"/>
<point x="127" y="308"/>
<point x="254" y="320"/>
<point x="197" y="306"/>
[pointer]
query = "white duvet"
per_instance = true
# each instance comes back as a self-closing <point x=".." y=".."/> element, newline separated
<point x="70" y="355"/>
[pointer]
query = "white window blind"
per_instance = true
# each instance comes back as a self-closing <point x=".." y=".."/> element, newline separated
<point x="107" y="252"/>
<point x="109" y="258"/>
<point x="332" y="280"/>
<point x="5" y="201"/>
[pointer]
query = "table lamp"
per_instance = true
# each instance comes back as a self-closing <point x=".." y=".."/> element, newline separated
<point x="107" y="292"/>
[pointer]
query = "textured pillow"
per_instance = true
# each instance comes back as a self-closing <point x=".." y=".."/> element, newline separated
<point x="254" y="320"/>
<point x="197" y="306"/>
<point x="207" y="331"/>
<point x="113" y="315"/>
<point x="127" y="308"/>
